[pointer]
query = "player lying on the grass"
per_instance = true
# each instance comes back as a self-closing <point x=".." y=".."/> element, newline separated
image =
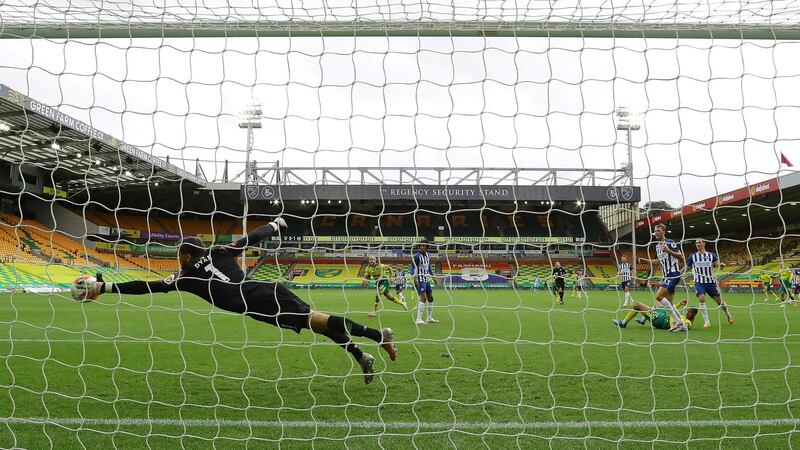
<point x="659" y="317"/>
<point x="702" y="265"/>
<point x="421" y="272"/>
<point x="381" y="273"/>
<point x="624" y="271"/>
<point x="766" y="284"/>
<point x="669" y="256"/>
<point x="213" y="274"/>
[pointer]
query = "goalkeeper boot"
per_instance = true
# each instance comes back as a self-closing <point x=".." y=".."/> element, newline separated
<point x="99" y="277"/>
<point x="387" y="338"/>
<point x="642" y="320"/>
<point x="366" y="362"/>
<point x="620" y="323"/>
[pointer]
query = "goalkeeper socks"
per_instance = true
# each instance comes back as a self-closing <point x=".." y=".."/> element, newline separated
<point x="430" y="310"/>
<point x="340" y="325"/>
<point x="356" y="329"/>
<point x="672" y="309"/>
<point x="345" y="343"/>
<point x="704" y="311"/>
<point x="630" y="316"/>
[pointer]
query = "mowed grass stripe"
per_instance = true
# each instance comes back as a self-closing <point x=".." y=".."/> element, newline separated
<point x="204" y="423"/>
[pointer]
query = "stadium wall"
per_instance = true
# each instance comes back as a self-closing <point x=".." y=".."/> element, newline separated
<point x="58" y="217"/>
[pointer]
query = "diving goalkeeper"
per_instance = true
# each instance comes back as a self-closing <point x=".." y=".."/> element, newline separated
<point x="213" y="274"/>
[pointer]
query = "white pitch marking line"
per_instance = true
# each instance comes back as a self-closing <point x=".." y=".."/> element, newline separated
<point x="195" y="423"/>
<point x="453" y="342"/>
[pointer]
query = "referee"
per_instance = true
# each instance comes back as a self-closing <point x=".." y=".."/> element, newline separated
<point x="558" y="275"/>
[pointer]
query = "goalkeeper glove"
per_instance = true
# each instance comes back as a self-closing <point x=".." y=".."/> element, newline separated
<point x="92" y="288"/>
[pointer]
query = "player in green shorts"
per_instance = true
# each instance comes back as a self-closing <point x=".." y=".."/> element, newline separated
<point x="382" y="273"/>
<point x="766" y="282"/>
<point x="786" y="283"/>
<point x="659" y="317"/>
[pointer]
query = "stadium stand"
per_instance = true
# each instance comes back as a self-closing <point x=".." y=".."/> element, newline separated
<point x="155" y="264"/>
<point x="12" y="279"/>
<point x="14" y="250"/>
<point x="123" y="275"/>
<point x="165" y="223"/>
<point x="271" y="272"/>
<point x="52" y="274"/>
<point x="603" y="275"/>
<point x="53" y="245"/>
<point x="527" y="272"/>
<point x="753" y="252"/>
<point x="462" y="223"/>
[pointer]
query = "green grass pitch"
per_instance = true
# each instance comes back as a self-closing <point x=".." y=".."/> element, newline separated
<point x="503" y="369"/>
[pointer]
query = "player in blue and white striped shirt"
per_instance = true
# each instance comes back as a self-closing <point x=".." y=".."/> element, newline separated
<point x="400" y="282"/>
<point x="624" y="270"/>
<point x="702" y="265"/>
<point x="421" y="272"/>
<point x="669" y="255"/>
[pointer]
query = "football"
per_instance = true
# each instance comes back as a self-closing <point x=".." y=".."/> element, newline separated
<point x="79" y="291"/>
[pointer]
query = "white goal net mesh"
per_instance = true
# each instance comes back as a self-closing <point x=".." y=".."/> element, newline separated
<point x="122" y="133"/>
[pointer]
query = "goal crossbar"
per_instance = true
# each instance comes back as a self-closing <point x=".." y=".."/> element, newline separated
<point x="211" y="29"/>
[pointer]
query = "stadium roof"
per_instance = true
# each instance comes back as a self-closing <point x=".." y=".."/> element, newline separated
<point x="773" y="204"/>
<point x="74" y="151"/>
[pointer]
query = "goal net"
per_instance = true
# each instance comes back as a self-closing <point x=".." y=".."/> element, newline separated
<point x="516" y="138"/>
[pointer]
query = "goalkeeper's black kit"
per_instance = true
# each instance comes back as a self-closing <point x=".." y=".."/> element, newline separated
<point x="558" y="274"/>
<point x="218" y="279"/>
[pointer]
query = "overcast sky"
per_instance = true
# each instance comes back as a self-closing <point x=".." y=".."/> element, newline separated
<point x="715" y="115"/>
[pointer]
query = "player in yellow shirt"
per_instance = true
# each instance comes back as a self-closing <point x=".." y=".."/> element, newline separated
<point x="574" y="278"/>
<point x="659" y="317"/>
<point x="382" y="273"/>
<point x="766" y="283"/>
<point x="786" y="278"/>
